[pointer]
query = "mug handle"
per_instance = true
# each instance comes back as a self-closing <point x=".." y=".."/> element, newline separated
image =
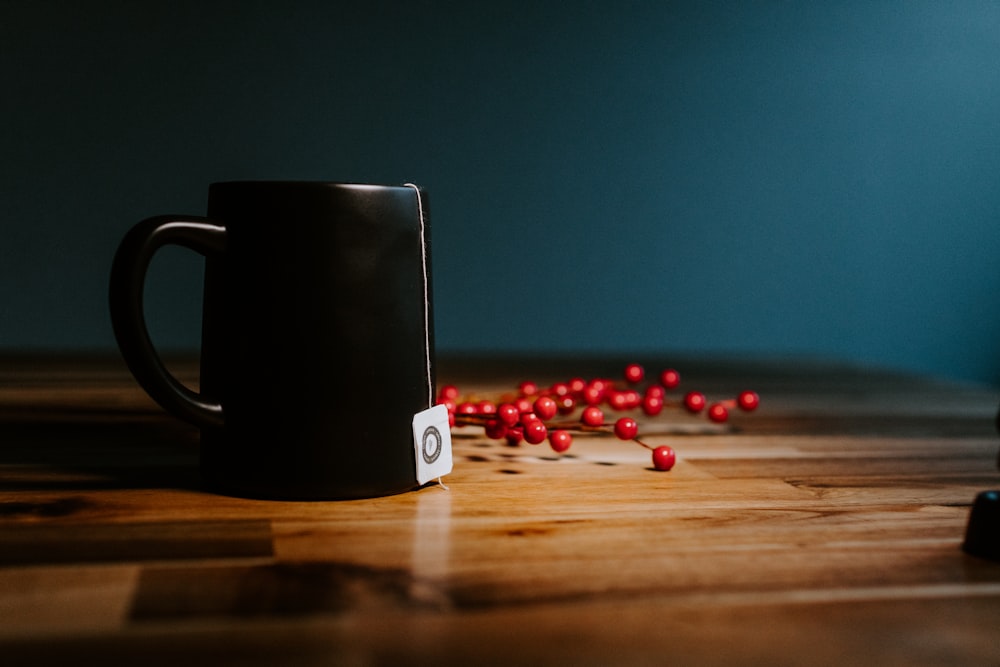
<point x="125" y="296"/>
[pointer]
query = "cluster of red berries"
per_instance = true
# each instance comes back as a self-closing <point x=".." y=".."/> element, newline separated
<point x="530" y="414"/>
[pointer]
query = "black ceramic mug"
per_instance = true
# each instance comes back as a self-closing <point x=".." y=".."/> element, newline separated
<point x="317" y="335"/>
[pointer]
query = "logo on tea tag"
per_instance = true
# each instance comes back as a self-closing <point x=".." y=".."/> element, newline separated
<point x="432" y="443"/>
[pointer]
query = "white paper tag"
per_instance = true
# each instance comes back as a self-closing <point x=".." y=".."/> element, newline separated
<point x="432" y="443"/>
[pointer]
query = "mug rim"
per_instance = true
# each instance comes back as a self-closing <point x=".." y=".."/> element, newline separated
<point x="309" y="183"/>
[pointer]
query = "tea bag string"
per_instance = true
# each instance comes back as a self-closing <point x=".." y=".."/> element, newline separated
<point x="427" y="296"/>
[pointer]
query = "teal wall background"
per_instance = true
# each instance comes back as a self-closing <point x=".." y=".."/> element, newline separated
<point x="816" y="178"/>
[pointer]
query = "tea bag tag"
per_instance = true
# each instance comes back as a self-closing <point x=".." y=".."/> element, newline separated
<point x="432" y="443"/>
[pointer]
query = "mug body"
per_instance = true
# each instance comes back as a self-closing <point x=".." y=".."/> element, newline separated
<point x="317" y="339"/>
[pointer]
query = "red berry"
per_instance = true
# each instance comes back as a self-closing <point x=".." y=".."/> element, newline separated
<point x="508" y="413"/>
<point x="748" y="400"/>
<point x="449" y="392"/>
<point x="559" y="389"/>
<point x="535" y="432"/>
<point x="718" y="413"/>
<point x="592" y="416"/>
<point x="487" y="408"/>
<point x="664" y="458"/>
<point x="495" y="429"/>
<point x="652" y="405"/>
<point x="524" y="404"/>
<point x="576" y="385"/>
<point x="694" y="401"/>
<point x="467" y="408"/>
<point x="626" y="428"/>
<point x="528" y="388"/>
<point x="656" y="390"/>
<point x="632" y="399"/>
<point x="566" y="404"/>
<point x="546" y="407"/>
<point x="618" y="400"/>
<point x="670" y="378"/>
<point x="596" y="390"/>
<point x="514" y="435"/>
<point x="593" y="394"/>
<point x="560" y="440"/>
<point x="634" y="373"/>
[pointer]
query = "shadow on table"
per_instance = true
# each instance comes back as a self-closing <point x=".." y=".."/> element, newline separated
<point x="86" y="448"/>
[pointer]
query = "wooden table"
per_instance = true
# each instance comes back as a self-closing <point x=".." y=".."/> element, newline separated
<point x="825" y="528"/>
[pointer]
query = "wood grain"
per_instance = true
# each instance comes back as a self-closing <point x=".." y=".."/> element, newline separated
<point x="824" y="529"/>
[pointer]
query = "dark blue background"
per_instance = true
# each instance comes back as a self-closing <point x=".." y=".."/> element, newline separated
<point x="817" y="178"/>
